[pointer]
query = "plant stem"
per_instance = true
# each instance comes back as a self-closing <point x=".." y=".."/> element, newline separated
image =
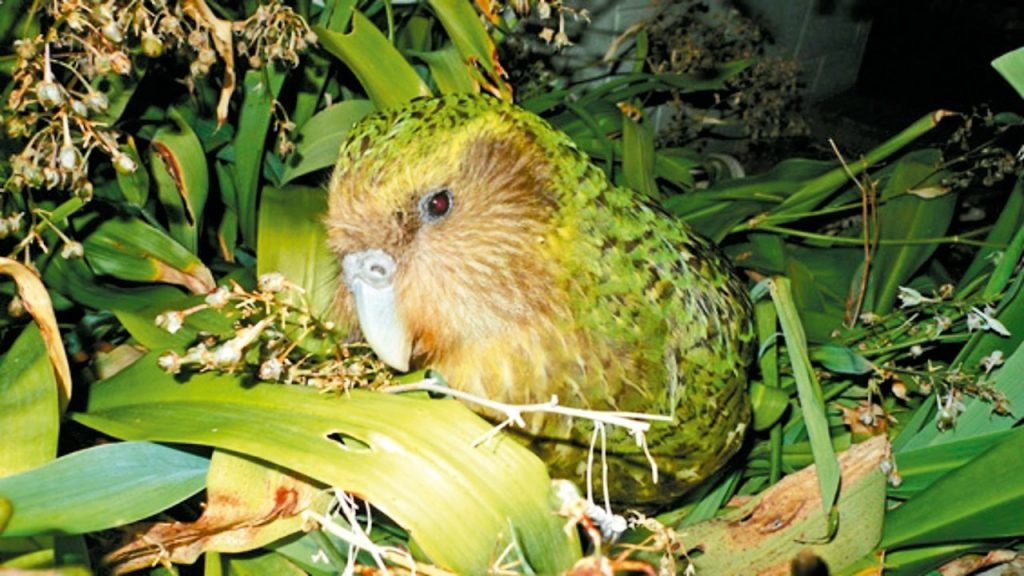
<point x="955" y="239"/>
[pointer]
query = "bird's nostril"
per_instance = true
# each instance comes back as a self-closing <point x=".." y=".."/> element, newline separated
<point x="378" y="270"/>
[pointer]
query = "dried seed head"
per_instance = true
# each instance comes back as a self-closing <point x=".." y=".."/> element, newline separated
<point x="112" y="32"/>
<point x="79" y="108"/>
<point x="120" y="63"/>
<point x="97" y="101"/>
<point x="49" y="94"/>
<point x="69" y="158"/>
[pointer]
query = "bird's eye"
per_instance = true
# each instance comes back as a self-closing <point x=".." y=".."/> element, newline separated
<point x="436" y="205"/>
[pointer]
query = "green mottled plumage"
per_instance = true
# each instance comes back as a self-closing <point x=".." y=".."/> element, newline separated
<point x="544" y="280"/>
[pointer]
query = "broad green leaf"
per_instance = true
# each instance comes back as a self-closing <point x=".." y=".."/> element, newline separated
<point x="130" y="249"/>
<point x="261" y="88"/>
<point x="447" y="70"/>
<point x="812" y="403"/>
<point x="100" y="488"/>
<point x="319" y="140"/>
<point x="293" y="241"/>
<point x="980" y="500"/>
<point x="479" y="54"/>
<point x="29" y="404"/>
<point x="638" y="157"/>
<point x="179" y="169"/>
<point x="920" y="468"/>
<point x="382" y="71"/>
<point x="74" y="280"/>
<point x="1011" y="66"/>
<point x="906" y="217"/>
<point x="371" y="444"/>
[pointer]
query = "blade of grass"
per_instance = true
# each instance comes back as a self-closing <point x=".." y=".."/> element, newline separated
<point x="811" y="400"/>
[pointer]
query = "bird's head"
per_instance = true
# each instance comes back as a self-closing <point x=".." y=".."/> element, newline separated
<point x="441" y="214"/>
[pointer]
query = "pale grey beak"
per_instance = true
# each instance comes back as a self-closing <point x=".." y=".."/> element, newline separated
<point x="370" y="275"/>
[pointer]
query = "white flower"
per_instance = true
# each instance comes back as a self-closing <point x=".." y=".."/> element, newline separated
<point x="228" y="355"/>
<point x="272" y="282"/>
<point x="992" y="361"/>
<point x="983" y="320"/>
<point x="169" y="362"/>
<point x="172" y="321"/>
<point x="218" y="298"/>
<point x="271" y="369"/>
<point x="72" y="250"/>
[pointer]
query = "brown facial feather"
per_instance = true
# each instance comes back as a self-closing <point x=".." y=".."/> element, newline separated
<point x="480" y="275"/>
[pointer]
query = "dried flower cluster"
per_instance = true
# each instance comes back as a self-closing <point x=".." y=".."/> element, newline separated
<point x="978" y="152"/>
<point x="59" y="103"/>
<point x="275" y="336"/>
<point x="761" y="103"/>
<point x="273" y="33"/>
<point x="546" y="11"/>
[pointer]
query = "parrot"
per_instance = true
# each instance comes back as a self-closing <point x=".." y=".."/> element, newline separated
<point x="478" y="241"/>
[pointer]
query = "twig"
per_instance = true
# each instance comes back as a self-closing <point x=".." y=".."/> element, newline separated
<point x="633" y="421"/>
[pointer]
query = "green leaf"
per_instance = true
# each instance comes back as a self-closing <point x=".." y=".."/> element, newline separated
<point x="178" y="165"/>
<point x="841" y="359"/>
<point x="29" y="404"/>
<point x="261" y="88"/>
<point x="769" y="404"/>
<point x="979" y="500"/>
<point x="320" y="139"/>
<point x="638" y="157"/>
<point x="135" y="185"/>
<point x="921" y="467"/>
<point x="100" y="488"/>
<point x="293" y="241"/>
<point x="447" y="70"/>
<point x="906" y="217"/>
<point x="812" y="403"/>
<point x="385" y="75"/>
<point x="262" y="564"/>
<point x="133" y="250"/>
<point x="1011" y="66"/>
<point x="368" y="443"/>
<point x="466" y="29"/>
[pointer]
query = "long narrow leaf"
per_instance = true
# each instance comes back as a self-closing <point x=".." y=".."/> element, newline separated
<point x="100" y="488"/>
<point x="261" y="88"/>
<point x="811" y="400"/>
<point x="979" y="500"/>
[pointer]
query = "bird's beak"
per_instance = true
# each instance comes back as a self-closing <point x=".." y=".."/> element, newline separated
<point x="370" y="275"/>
